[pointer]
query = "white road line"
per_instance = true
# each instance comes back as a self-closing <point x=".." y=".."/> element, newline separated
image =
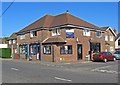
<point x="15" y="69"/>
<point x="62" y="79"/>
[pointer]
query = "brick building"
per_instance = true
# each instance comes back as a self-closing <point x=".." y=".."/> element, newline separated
<point x="13" y="44"/>
<point x="62" y="38"/>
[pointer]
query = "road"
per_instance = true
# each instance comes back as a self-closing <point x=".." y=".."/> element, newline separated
<point x="20" y="71"/>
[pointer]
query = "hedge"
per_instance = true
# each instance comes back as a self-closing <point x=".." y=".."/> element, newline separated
<point x="5" y="52"/>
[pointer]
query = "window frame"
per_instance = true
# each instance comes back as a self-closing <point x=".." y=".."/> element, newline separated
<point x="22" y="36"/>
<point x="100" y="34"/>
<point x="66" y="50"/>
<point x="111" y="38"/>
<point x="106" y="37"/>
<point x="33" y="34"/>
<point x="57" y="32"/>
<point x="86" y="31"/>
<point x="45" y="49"/>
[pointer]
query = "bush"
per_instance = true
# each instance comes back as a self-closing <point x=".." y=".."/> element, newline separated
<point x="5" y="52"/>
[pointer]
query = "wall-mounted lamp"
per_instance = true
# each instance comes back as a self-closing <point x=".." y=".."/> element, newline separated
<point x="77" y="39"/>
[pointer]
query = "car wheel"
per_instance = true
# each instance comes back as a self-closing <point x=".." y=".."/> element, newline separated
<point x="114" y="59"/>
<point x="105" y="60"/>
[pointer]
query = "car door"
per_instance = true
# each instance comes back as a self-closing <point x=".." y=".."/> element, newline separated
<point x="110" y="56"/>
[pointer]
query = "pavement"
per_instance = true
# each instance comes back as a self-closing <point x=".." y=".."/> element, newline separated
<point x="21" y="71"/>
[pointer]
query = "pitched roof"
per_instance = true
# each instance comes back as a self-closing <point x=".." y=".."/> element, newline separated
<point x="62" y="19"/>
<point x="118" y="36"/>
<point x="13" y="36"/>
<point x="108" y="27"/>
<point x="104" y="28"/>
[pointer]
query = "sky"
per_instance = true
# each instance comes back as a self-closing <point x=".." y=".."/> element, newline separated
<point x="21" y="14"/>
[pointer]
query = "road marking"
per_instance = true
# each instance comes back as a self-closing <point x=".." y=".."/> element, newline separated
<point x="15" y="69"/>
<point x="62" y="79"/>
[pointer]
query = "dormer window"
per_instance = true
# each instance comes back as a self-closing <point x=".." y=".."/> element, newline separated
<point x="55" y="32"/>
<point x="33" y="33"/>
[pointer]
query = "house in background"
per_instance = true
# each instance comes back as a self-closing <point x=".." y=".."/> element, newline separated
<point x="110" y="36"/>
<point x="3" y="43"/>
<point x="63" y="38"/>
<point x="117" y="42"/>
<point x="13" y="45"/>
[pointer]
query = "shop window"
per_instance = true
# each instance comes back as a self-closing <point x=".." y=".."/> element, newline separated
<point x="22" y="49"/>
<point x="86" y="32"/>
<point x="55" y="32"/>
<point x="70" y="33"/>
<point x="34" y="49"/>
<point x="95" y="47"/>
<point x="47" y="49"/>
<point x="99" y="34"/>
<point x="66" y="49"/>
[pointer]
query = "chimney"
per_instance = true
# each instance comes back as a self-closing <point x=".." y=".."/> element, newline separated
<point x="115" y="30"/>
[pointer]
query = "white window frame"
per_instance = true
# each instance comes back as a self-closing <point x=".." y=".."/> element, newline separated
<point x="86" y="32"/>
<point x="106" y="37"/>
<point x="32" y="33"/>
<point x="22" y="37"/>
<point x="14" y="41"/>
<point x="10" y="42"/>
<point x="100" y="34"/>
<point x="55" y="32"/>
<point x="111" y="38"/>
<point x="111" y="49"/>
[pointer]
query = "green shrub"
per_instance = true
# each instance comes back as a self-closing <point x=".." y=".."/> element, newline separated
<point x="5" y="52"/>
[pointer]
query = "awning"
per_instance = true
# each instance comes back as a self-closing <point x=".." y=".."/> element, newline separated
<point x="54" y="40"/>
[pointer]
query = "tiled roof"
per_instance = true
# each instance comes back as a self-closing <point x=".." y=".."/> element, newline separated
<point x="13" y="36"/>
<point x="104" y="28"/>
<point x="49" y="21"/>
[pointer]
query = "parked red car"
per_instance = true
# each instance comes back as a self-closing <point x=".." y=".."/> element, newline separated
<point x="104" y="56"/>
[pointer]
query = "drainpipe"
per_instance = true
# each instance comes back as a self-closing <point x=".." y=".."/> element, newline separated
<point x="52" y="53"/>
<point x="41" y="51"/>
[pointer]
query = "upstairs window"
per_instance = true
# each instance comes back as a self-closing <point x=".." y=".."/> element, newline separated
<point x="86" y="32"/>
<point x="55" y="32"/>
<point x="10" y="42"/>
<point x="111" y="38"/>
<point x="22" y="37"/>
<point x="33" y="33"/>
<point x="99" y="34"/>
<point x="70" y="33"/>
<point x="14" y="41"/>
<point x="106" y="37"/>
